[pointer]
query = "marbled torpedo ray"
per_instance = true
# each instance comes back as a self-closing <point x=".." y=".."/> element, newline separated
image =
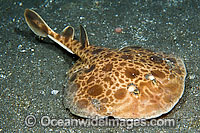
<point x="128" y="83"/>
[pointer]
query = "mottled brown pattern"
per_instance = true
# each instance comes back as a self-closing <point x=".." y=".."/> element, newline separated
<point x="108" y="67"/>
<point x="129" y="83"/>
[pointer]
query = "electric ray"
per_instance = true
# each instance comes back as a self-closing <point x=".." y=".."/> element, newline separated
<point x="128" y="83"/>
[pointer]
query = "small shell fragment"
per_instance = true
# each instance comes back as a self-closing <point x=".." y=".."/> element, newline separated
<point x="54" y="92"/>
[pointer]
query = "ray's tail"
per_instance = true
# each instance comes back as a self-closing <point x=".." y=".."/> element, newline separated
<point x="65" y="39"/>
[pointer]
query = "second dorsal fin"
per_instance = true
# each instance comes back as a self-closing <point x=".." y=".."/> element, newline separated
<point x="68" y="32"/>
<point x="83" y="37"/>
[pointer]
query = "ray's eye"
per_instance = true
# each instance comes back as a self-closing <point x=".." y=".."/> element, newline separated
<point x="132" y="88"/>
<point x="149" y="77"/>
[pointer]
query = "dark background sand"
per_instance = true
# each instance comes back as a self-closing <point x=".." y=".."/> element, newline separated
<point x="31" y="69"/>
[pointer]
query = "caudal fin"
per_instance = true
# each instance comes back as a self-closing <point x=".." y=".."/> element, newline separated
<point x="40" y="28"/>
<point x="36" y="23"/>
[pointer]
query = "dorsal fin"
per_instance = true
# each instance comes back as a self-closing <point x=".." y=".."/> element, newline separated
<point x="83" y="37"/>
<point x="68" y="32"/>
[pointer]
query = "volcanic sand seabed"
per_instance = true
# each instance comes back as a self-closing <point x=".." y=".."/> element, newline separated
<point x="31" y="70"/>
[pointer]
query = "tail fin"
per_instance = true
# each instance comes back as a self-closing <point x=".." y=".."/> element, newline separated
<point x="40" y="28"/>
<point x="36" y="23"/>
